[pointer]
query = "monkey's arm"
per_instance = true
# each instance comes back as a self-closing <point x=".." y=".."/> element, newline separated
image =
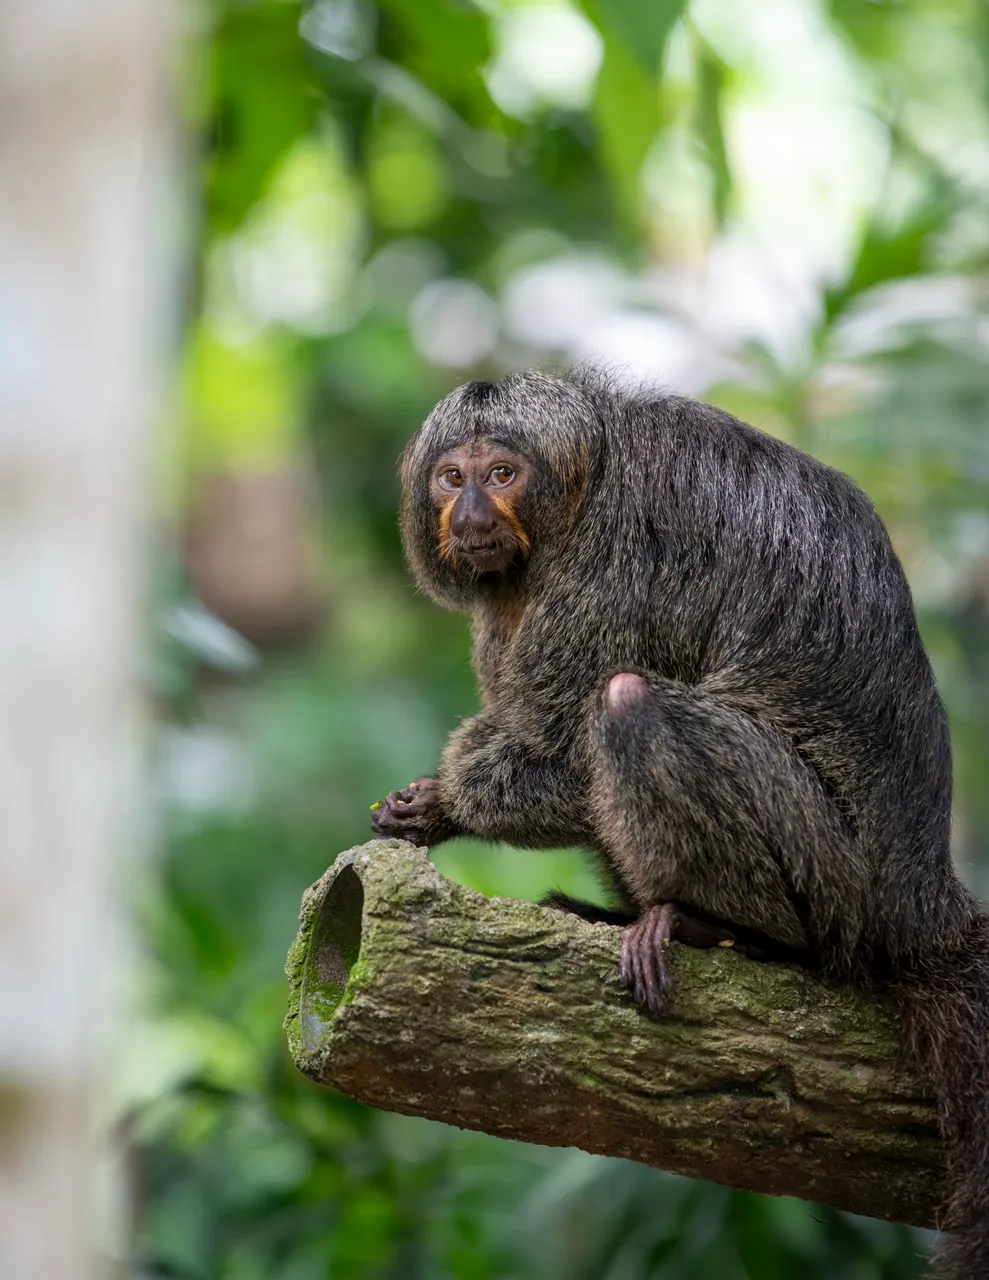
<point x="494" y="785"/>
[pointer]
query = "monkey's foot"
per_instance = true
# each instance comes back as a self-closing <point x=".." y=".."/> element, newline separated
<point x="645" y="963"/>
<point x="645" y="966"/>
<point x="413" y="814"/>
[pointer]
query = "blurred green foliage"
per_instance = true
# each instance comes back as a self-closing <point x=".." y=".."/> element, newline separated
<point x="354" y="160"/>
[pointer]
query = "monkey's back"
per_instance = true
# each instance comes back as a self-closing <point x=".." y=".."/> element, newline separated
<point x="710" y="553"/>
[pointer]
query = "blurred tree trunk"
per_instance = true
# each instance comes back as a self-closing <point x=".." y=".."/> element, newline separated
<point x="81" y="133"/>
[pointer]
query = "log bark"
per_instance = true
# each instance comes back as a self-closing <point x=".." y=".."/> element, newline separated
<point x="417" y="995"/>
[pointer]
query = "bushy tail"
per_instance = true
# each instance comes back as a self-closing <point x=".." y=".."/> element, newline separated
<point x="946" y="1006"/>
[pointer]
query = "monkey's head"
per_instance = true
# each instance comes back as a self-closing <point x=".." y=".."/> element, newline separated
<point x="491" y="481"/>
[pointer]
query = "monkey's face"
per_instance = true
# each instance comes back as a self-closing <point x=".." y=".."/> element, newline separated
<point x="492" y="482"/>
<point x="477" y="490"/>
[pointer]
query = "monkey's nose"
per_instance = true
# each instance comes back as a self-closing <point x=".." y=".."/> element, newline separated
<point x="472" y="513"/>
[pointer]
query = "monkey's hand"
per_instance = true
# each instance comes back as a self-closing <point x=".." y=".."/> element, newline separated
<point x="414" y="814"/>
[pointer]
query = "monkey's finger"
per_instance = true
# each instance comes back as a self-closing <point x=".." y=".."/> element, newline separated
<point x="652" y="986"/>
<point x="658" y="958"/>
<point x="641" y="970"/>
<point x="664" y="921"/>
<point x="398" y="802"/>
<point x="381" y="823"/>
<point x="636" y="963"/>
<point x="648" y="990"/>
<point x="631" y="966"/>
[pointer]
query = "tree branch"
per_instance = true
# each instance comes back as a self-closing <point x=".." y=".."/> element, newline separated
<point x="414" y="994"/>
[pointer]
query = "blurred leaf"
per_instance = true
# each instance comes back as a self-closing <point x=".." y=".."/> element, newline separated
<point x="641" y="27"/>
<point x="886" y="255"/>
<point x="626" y="115"/>
<point x="242" y="402"/>
<point x="446" y="45"/>
<point x="263" y="102"/>
<point x="982" y="44"/>
<point x="626" y="101"/>
<point x="204" y="636"/>
<point x="713" y="75"/>
<point x="869" y="24"/>
<point x="406" y="177"/>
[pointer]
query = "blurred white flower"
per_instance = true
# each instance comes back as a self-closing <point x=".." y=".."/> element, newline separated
<point x="399" y="271"/>
<point x="884" y="317"/>
<point x="203" y="770"/>
<point x="454" y="322"/>
<point x="293" y="261"/>
<point x="552" y="304"/>
<point x="548" y="55"/>
<point x="344" y="28"/>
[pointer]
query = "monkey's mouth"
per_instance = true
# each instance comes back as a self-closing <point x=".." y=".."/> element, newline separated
<point x="485" y="557"/>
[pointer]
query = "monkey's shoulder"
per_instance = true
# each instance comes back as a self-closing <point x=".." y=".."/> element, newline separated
<point x="726" y="472"/>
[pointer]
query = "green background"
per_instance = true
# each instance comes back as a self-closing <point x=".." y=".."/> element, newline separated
<point x="343" y="159"/>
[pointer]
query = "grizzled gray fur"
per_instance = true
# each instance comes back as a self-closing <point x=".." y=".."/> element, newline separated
<point x="781" y="768"/>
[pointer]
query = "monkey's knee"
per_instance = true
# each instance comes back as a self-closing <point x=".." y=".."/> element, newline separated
<point x="623" y="692"/>
<point x="624" y="729"/>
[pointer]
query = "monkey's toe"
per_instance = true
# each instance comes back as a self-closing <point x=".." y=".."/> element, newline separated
<point x="623" y="691"/>
<point x="645" y="960"/>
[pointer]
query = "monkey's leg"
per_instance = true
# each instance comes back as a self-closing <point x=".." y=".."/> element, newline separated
<point x="702" y="806"/>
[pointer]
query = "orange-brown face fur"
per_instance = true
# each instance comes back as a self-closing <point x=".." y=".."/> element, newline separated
<point x="477" y="489"/>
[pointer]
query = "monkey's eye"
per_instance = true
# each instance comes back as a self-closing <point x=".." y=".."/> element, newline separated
<point x="451" y="478"/>
<point x="501" y="474"/>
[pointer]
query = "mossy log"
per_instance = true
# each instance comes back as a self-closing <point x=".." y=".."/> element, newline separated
<point x="414" y="994"/>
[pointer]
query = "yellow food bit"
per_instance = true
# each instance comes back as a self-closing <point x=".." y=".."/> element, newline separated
<point x="727" y="942"/>
<point x="378" y="804"/>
